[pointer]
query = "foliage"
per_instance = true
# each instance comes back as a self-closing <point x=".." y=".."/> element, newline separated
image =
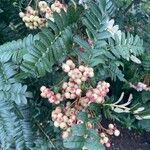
<point x="29" y="60"/>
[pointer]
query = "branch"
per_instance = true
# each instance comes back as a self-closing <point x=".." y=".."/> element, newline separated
<point x="39" y="126"/>
<point x="126" y="10"/>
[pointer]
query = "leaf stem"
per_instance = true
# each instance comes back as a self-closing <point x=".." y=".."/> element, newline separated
<point x="39" y="126"/>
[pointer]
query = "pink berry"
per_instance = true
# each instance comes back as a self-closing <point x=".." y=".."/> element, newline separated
<point x="116" y="132"/>
<point x="105" y="139"/>
<point x="58" y="96"/>
<point x="107" y="144"/>
<point x="56" y="124"/>
<point x="63" y="125"/>
<point x="65" y="134"/>
<point x="69" y="62"/>
<point x="102" y="135"/>
<point x="78" y="92"/>
<point x="42" y="88"/>
<point x="60" y="115"/>
<point x="111" y="126"/>
<point x="67" y="95"/>
<point x="58" y="110"/>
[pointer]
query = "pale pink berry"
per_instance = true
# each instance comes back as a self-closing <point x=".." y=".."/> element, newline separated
<point x="116" y="132"/>
<point x="42" y="88"/>
<point x="72" y="96"/>
<point x="102" y="135"/>
<point x="66" y="68"/>
<point x="64" y="85"/>
<point x="42" y="4"/>
<point x="60" y="115"/>
<point x="78" y="92"/>
<point x="54" y="115"/>
<point x="56" y="124"/>
<point x="67" y="95"/>
<point x="89" y="94"/>
<point x="58" y="96"/>
<point x="65" y="134"/>
<point x="58" y="110"/>
<point x="107" y="144"/>
<point x="91" y="74"/>
<point x="81" y="68"/>
<point x="21" y="14"/>
<point x="83" y="78"/>
<point x="78" y="81"/>
<point x="101" y="141"/>
<point x="70" y="122"/>
<point x="111" y="126"/>
<point x="73" y="117"/>
<point x="63" y="125"/>
<point x="65" y="118"/>
<point x="69" y="62"/>
<point x="105" y="139"/>
<point x="44" y="95"/>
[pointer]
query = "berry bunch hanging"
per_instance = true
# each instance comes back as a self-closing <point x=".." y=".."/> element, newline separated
<point x="34" y="19"/>
<point x="75" y="100"/>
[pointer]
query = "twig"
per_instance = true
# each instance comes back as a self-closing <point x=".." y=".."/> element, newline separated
<point x="30" y="3"/>
<point x="126" y="10"/>
<point x="46" y="135"/>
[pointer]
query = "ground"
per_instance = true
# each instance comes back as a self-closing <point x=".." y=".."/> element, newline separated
<point x="131" y="140"/>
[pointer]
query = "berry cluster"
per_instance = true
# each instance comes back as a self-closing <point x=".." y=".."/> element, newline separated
<point x="71" y="90"/>
<point x="36" y="19"/>
<point x="52" y="97"/>
<point x="110" y="131"/>
<point x="78" y="75"/>
<point x="97" y="94"/>
<point x="140" y="87"/>
<point x="79" y="100"/>
<point x="65" y="118"/>
<point x="31" y="18"/>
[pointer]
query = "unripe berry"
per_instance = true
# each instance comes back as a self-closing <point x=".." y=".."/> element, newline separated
<point x="73" y="117"/>
<point x="58" y="96"/>
<point x="72" y="96"/>
<point x="102" y="135"/>
<point x="21" y="14"/>
<point x="29" y="8"/>
<point x="67" y="95"/>
<point x="69" y="62"/>
<point x="35" y="18"/>
<point x="43" y="95"/>
<point x="101" y="141"/>
<point x="42" y="88"/>
<point x="91" y="74"/>
<point x="56" y="124"/>
<point x="83" y="78"/>
<point x="78" y="81"/>
<point x="81" y="68"/>
<point x="35" y="24"/>
<point x="58" y="110"/>
<point x="42" y="4"/>
<point x="99" y="100"/>
<point x="65" y="118"/>
<point x="116" y="132"/>
<point x="105" y="139"/>
<point x="78" y="92"/>
<point x="60" y="115"/>
<point x="65" y="134"/>
<point x="65" y="85"/>
<point x="63" y="125"/>
<point x="111" y="126"/>
<point x="66" y="68"/>
<point x="107" y="144"/>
